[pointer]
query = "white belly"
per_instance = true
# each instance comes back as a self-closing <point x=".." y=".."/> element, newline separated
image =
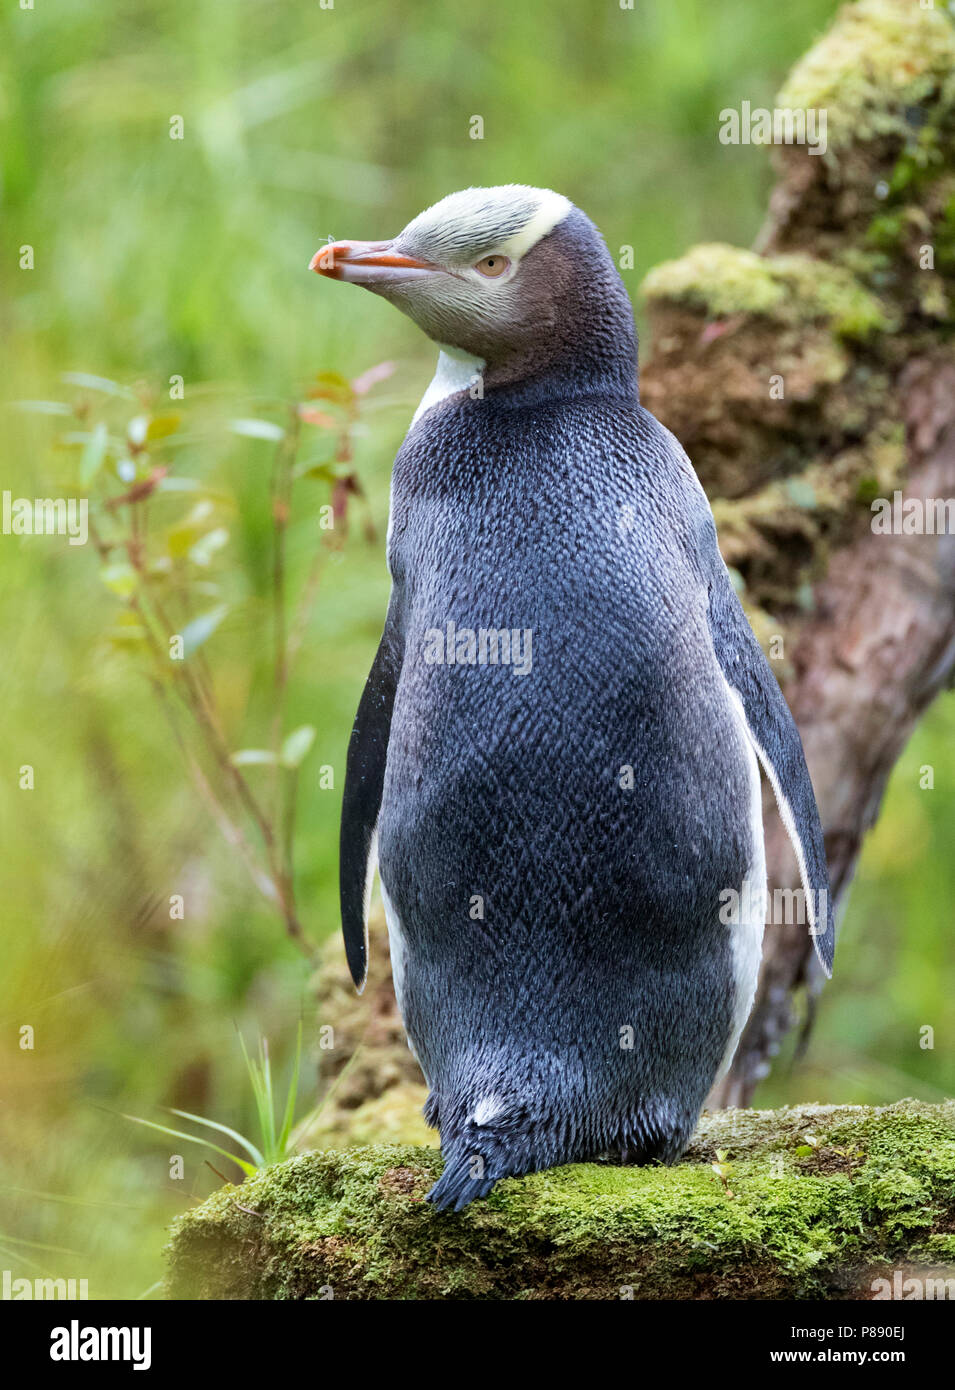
<point x="746" y="930"/>
<point x="398" y="947"/>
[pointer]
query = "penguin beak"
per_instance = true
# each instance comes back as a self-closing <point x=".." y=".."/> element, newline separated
<point x="371" y="263"/>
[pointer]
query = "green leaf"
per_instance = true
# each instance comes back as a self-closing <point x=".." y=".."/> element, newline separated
<point x="289" y="1116"/>
<point x="128" y="632"/>
<point x="179" y="484"/>
<point x="78" y="439"/>
<point x="120" y="578"/>
<point x="190" y="529"/>
<point x="202" y="628"/>
<point x="332" y="386"/>
<point x="260" y="1076"/>
<point x="258" y="429"/>
<point x="296" y="747"/>
<point x="94" y="451"/>
<point x="322" y="470"/>
<point x="162" y="425"/>
<point x="804" y="1151"/>
<point x="43" y="407"/>
<point x="204" y="549"/>
<point x="193" y="485"/>
<point x="96" y="383"/>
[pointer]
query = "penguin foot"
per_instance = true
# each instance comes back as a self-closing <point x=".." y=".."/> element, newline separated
<point x="637" y="1158"/>
<point x="464" y="1179"/>
<point x="665" y="1149"/>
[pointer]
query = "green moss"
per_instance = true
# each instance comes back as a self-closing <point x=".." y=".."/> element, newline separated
<point x="717" y="277"/>
<point x="885" y="231"/>
<point x="879" y="61"/>
<point x="724" y="281"/>
<point x="809" y="1200"/>
<point x="939" y="1248"/>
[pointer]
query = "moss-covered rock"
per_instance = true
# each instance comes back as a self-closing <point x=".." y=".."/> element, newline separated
<point x="880" y="202"/>
<point x="812" y="1202"/>
<point x="879" y="61"/>
<point x="724" y="280"/>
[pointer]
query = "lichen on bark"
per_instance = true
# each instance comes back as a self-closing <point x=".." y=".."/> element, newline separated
<point x="812" y="1202"/>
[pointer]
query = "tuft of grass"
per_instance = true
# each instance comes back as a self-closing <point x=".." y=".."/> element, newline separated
<point x="275" y="1142"/>
<point x="274" y="1136"/>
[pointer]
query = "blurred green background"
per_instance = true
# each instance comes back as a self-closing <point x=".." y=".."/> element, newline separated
<point x="157" y="257"/>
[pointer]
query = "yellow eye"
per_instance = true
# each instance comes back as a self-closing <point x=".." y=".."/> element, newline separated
<point x="492" y="266"/>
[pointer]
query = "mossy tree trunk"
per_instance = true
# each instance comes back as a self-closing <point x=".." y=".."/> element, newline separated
<point x="807" y="382"/>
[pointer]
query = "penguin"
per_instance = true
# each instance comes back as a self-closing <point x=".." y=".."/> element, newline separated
<point x="555" y="763"/>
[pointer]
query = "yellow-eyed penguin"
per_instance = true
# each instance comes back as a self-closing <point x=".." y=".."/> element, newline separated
<point x="554" y="763"/>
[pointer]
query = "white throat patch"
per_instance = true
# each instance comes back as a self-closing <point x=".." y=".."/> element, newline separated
<point x="455" y="372"/>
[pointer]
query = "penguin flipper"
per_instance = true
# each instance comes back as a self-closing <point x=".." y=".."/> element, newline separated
<point x="772" y="731"/>
<point x="361" y="802"/>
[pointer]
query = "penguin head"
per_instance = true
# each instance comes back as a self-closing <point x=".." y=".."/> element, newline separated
<point x="512" y="275"/>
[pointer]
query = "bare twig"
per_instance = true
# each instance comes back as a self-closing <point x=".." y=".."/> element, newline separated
<point x="186" y="688"/>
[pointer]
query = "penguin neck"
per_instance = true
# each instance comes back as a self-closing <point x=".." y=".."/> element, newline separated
<point x="517" y="383"/>
<point x="554" y="370"/>
<point x="585" y="342"/>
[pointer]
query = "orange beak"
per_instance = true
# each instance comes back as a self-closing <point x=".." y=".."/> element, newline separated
<point x="370" y="263"/>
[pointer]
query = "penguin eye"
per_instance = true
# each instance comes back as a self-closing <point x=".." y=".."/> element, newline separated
<point x="492" y="266"/>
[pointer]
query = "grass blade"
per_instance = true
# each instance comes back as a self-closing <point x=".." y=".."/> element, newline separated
<point x="290" y="1100"/>
<point x="247" y="1168"/>
<point x="249" y="1147"/>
